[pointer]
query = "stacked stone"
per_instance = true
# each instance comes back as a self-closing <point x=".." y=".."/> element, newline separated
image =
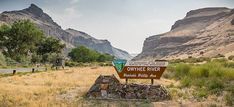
<point x="103" y="87"/>
<point x="108" y="87"/>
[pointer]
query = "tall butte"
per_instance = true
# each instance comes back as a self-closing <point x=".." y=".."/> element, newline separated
<point x="205" y="32"/>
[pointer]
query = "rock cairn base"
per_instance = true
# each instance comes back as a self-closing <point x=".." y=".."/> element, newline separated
<point x="109" y="87"/>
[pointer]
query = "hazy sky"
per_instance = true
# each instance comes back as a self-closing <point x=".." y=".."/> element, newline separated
<point x="125" y="23"/>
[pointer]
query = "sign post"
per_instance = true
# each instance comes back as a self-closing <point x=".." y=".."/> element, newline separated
<point x="140" y="69"/>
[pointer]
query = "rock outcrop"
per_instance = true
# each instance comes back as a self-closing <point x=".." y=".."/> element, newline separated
<point x="202" y="33"/>
<point x="70" y="37"/>
<point x="109" y="87"/>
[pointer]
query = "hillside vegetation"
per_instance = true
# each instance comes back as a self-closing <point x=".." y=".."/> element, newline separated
<point x="23" y="43"/>
<point x="33" y="46"/>
<point x="83" y="54"/>
<point x="214" y="77"/>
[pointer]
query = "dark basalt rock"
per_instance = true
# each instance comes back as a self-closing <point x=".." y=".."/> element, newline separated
<point x="108" y="87"/>
<point x="35" y="10"/>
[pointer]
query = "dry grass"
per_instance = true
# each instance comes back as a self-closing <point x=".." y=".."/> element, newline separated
<point x="64" y="88"/>
<point x="52" y="88"/>
<point x="41" y="89"/>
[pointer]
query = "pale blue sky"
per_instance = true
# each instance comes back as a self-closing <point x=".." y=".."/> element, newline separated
<point x="125" y="23"/>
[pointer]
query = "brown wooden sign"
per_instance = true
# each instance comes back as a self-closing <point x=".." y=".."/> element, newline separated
<point x="139" y="69"/>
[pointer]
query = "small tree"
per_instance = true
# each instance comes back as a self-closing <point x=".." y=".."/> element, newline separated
<point x="101" y="58"/>
<point x="80" y="54"/>
<point x="83" y="54"/>
<point x="49" y="48"/>
<point x="28" y="41"/>
<point x="21" y="38"/>
<point x="50" y="45"/>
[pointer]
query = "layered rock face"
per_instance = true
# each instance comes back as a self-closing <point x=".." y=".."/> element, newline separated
<point x="204" y="32"/>
<point x="72" y="38"/>
<point x="104" y="46"/>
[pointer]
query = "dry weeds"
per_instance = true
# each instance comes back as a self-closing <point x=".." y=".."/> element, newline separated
<point x="64" y="88"/>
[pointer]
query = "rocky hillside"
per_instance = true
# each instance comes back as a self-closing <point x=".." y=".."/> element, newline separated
<point x="70" y="37"/>
<point x="104" y="46"/>
<point x="202" y="32"/>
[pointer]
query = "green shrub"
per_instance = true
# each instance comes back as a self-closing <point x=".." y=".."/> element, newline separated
<point x="186" y="82"/>
<point x="182" y="70"/>
<point x="204" y="72"/>
<point x="219" y="56"/>
<point x="213" y="77"/>
<point x="201" y="59"/>
<point x="176" y="61"/>
<point x="229" y="99"/>
<point x="70" y="64"/>
<point x="229" y="74"/>
<point x="229" y="96"/>
<point x="231" y="57"/>
<point x="167" y="74"/>
<point x="170" y="71"/>
<point x="2" y="60"/>
<point x="49" y="57"/>
<point x="230" y="88"/>
<point x="36" y="58"/>
<point x="10" y="62"/>
<point x="215" y="86"/>
<point x="194" y="72"/>
<point x="191" y="60"/>
<point x="105" y="64"/>
<point x="217" y="72"/>
<point x="200" y="82"/>
<point x="24" y="60"/>
<point x="229" y="64"/>
<point x="73" y="64"/>
<point x="84" y="54"/>
<point x="215" y="68"/>
<point x="220" y="60"/>
<point x="201" y="93"/>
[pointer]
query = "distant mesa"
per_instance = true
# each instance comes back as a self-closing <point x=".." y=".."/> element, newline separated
<point x="209" y="31"/>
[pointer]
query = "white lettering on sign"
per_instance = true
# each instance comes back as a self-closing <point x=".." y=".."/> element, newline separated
<point x="153" y="68"/>
<point x="152" y="75"/>
<point x="129" y="75"/>
<point x="143" y="75"/>
<point x="147" y="63"/>
<point x="136" y="69"/>
<point x="142" y="68"/>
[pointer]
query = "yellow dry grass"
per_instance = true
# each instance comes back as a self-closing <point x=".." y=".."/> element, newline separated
<point x="64" y="88"/>
<point x="51" y="88"/>
<point x="41" y="89"/>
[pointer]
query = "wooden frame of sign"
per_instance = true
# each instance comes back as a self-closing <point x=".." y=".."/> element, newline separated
<point x="140" y="69"/>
